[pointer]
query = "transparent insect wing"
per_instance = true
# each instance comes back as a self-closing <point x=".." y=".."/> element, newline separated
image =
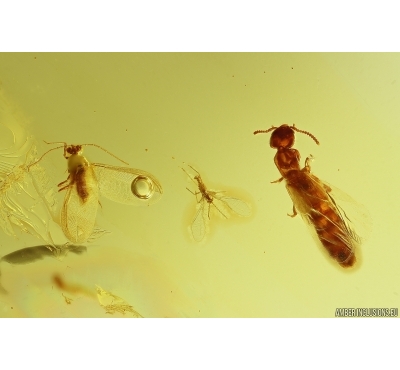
<point x="200" y="222"/>
<point x="44" y="188"/>
<point x="354" y="215"/>
<point x="5" y="222"/>
<point x="78" y="217"/>
<point x="340" y="229"/>
<point x="127" y="185"/>
<point x="235" y="205"/>
<point x="19" y="197"/>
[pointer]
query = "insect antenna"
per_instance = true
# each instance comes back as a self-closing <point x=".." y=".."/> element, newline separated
<point x="32" y="164"/>
<point x="306" y="132"/>
<point x="194" y="170"/>
<point x="105" y="150"/>
<point x="56" y="142"/>
<point x="264" y="131"/>
<point x="187" y="173"/>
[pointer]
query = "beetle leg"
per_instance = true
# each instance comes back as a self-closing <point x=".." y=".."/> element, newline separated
<point x="279" y="180"/>
<point x="294" y="212"/>
<point x="307" y="167"/>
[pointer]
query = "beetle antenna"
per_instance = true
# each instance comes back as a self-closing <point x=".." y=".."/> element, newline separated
<point x="307" y="133"/>
<point x="264" y="131"/>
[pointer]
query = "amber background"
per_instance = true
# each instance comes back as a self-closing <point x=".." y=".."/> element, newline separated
<point x="159" y="110"/>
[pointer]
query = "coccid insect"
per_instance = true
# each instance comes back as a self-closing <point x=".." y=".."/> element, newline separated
<point x="86" y="181"/>
<point x="223" y="204"/>
<point x="313" y="198"/>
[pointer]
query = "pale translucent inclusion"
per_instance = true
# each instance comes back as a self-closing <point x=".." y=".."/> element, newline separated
<point x="27" y="199"/>
<point x="113" y="303"/>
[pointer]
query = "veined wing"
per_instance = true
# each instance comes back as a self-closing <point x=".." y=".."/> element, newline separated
<point x="127" y="185"/>
<point x="234" y="205"/>
<point x="354" y="214"/>
<point x="315" y="201"/>
<point x="78" y="217"/>
<point x="200" y="221"/>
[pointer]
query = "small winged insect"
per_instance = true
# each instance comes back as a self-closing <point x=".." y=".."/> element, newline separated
<point x="313" y="198"/>
<point x="87" y="180"/>
<point x="223" y="205"/>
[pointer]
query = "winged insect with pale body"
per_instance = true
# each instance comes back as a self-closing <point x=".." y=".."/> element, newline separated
<point x="209" y="199"/>
<point x="87" y="181"/>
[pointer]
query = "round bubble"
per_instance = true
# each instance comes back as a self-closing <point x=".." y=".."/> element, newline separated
<point x="142" y="187"/>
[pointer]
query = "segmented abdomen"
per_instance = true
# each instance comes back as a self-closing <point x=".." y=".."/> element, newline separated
<point x="310" y="198"/>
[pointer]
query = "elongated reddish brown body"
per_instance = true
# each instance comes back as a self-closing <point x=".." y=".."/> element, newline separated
<point x="81" y="184"/>
<point x="311" y="197"/>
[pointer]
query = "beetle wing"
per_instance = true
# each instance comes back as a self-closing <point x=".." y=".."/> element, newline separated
<point x="78" y="217"/>
<point x="127" y="185"/>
